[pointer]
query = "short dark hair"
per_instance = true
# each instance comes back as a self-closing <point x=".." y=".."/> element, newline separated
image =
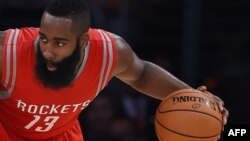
<point x="76" y="10"/>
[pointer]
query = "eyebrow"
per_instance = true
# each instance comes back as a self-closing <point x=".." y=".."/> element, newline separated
<point x="55" y="38"/>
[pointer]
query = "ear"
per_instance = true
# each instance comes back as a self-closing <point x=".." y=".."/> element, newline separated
<point x="84" y="41"/>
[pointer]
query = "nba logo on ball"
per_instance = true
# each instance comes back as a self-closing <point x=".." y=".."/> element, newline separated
<point x="188" y="115"/>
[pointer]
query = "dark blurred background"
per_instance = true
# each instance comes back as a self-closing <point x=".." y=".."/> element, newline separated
<point x="202" y="42"/>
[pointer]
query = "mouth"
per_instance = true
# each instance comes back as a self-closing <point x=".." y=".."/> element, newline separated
<point x="50" y="67"/>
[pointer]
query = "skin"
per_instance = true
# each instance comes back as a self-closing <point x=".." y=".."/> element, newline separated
<point x="2" y="35"/>
<point x="58" y="40"/>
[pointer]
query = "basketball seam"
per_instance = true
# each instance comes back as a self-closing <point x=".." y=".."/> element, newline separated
<point x="190" y="111"/>
<point x="185" y="134"/>
<point x="158" y="134"/>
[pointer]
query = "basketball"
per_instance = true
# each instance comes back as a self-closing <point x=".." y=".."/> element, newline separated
<point x="188" y="115"/>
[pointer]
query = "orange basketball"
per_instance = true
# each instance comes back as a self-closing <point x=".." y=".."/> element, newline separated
<point x="188" y="115"/>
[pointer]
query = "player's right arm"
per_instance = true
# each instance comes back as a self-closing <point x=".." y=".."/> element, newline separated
<point x="2" y="36"/>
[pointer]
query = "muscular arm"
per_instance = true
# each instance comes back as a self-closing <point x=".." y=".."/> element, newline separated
<point x="2" y="35"/>
<point x="144" y="76"/>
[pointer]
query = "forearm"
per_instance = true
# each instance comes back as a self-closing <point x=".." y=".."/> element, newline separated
<point x="157" y="82"/>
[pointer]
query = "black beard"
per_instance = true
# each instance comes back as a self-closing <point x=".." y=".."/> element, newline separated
<point x="64" y="74"/>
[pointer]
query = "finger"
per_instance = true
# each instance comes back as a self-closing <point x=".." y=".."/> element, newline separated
<point x="225" y="116"/>
<point x="224" y="120"/>
<point x="221" y="107"/>
<point x="202" y="88"/>
<point x="216" y="98"/>
<point x="220" y="103"/>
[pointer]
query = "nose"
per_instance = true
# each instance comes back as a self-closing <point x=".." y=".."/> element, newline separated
<point x="48" y="55"/>
<point x="48" y="52"/>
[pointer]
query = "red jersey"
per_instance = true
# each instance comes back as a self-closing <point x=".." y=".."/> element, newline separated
<point x="37" y="112"/>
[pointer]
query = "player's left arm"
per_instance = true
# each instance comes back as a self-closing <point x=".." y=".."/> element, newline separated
<point x="144" y="76"/>
<point x="147" y="77"/>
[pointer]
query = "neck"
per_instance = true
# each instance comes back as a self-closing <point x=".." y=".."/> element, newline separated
<point x="78" y="66"/>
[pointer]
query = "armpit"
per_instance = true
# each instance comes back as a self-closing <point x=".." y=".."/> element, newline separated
<point x="2" y="35"/>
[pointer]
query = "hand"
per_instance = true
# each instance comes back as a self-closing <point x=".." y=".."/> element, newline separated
<point x="220" y="103"/>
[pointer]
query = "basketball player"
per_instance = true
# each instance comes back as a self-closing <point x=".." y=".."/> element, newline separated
<point x="50" y="74"/>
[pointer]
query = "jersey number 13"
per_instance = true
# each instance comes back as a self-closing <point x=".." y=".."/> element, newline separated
<point x="49" y="122"/>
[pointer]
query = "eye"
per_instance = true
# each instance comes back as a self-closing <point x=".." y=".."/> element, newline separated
<point x="59" y="44"/>
<point x="43" y="39"/>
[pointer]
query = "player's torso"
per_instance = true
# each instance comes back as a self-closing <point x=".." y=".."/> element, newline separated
<point x="33" y="109"/>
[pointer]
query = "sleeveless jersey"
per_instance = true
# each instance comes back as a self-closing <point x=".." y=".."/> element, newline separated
<point x="34" y="111"/>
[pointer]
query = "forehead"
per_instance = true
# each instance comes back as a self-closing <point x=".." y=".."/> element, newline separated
<point x="56" y="26"/>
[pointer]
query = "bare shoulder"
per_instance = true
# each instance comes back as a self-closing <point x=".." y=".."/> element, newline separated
<point x="128" y="65"/>
<point x="122" y="46"/>
<point x="123" y="51"/>
<point x="2" y="36"/>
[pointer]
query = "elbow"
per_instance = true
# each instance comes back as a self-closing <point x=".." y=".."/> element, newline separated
<point x="140" y="78"/>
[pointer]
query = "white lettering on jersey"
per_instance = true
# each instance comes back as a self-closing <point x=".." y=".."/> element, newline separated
<point x="50" y="109"/>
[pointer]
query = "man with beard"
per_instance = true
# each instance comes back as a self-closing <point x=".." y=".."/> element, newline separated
<point x="50" y="74"/>
<point x="65" y="68"/>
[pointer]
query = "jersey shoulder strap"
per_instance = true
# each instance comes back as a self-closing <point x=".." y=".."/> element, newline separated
<point x="16" y="40"/>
